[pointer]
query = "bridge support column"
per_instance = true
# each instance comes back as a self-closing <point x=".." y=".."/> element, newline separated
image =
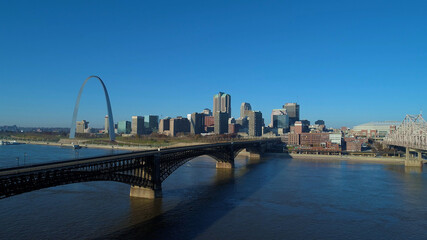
<point x="143" y="192"/>
<point x="420" y="155"/>
<point x="254" y="156"/>
<point x="407" y="153"/>
<point x="413" y="163"/>
<point x="156" y="190"/>
<point x="225" y="164"/>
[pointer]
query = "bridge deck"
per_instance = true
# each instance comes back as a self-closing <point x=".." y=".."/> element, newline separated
<point x="92" y="160"/>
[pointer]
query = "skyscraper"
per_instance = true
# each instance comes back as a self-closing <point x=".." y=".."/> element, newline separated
<point x="278" y="112"/>
<point x="124" y="127"/>
<point x="197" y="122"/>
<point x="244" y="108"/>
<point x="137" y="125"/>
<point x="222" y="103"/>
<point x="221" y="123"/>
<point x="255" y="123"/>
<point x="293" y="112"/>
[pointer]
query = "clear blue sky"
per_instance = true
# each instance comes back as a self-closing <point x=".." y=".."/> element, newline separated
<point x="346" y="62"/>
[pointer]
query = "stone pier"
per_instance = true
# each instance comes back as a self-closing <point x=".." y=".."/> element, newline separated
<point x="254" y="156"/>
<point x="224" y="165"/>
<point x="142" y="192"/>
<point x="413" y="163"/>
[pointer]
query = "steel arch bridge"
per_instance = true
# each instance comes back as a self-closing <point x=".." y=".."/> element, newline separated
<point x="412" y="133"/>
<point x="144" y="171"/>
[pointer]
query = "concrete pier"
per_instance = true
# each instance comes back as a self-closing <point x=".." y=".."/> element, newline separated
<point x="142" y="192"/>
<point x="413" y="163"/>
<point x="224" y="165"/>
<point x="254" y="156"/>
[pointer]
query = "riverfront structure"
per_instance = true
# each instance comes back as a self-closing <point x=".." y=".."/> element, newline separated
<point x="144" y="171"/>
<point x="110" y="112"/>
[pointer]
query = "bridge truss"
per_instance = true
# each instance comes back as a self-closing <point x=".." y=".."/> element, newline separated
<point x="412" y="133"/>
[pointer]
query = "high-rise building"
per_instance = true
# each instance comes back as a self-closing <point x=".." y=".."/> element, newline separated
<point x="292" y="110"/>
<point x="197" y="122"/>
<point x="221" y="123"/>
<point x="124" y="127"/>
<point x="243" y="122"/>
<point x="151" y="123"/>
<point x="107" y="124"/>
<point x="81" y="126"/>
<point x="222" y="103"/>
<point x="207" y="112"/>
<point x="137" y="125"/>
<point x="278" y="112"/>
<point x="164" y="125"/>
<point x="244" y="109"/>
<point x="255" y="123"/>
<point x="281" y="121"/>
<point x="179" y="125"/>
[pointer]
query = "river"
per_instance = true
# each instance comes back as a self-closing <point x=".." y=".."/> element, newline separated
<point x="274" y="198"/>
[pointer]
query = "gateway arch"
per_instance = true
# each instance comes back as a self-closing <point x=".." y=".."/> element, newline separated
<point x="110" y="113"/>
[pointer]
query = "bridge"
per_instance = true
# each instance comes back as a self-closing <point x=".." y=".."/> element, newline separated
<point x="412" y="135"/>
<point x="144" y="170"/>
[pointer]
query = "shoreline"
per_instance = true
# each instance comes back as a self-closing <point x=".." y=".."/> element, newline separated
<point x="359" y="159"/>
<point x="115" y="147"/>
<point x="385" y="160"/>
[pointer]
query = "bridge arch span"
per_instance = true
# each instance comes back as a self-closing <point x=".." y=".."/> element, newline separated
<point x="110" y="113"/>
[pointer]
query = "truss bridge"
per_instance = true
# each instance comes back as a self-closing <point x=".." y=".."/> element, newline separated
<point x="412" y="135"/>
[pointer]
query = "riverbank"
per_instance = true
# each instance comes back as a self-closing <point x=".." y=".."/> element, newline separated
<point x="385" y="160"/>
<point x="328" y="158"/>
<point x="117" y="147"/>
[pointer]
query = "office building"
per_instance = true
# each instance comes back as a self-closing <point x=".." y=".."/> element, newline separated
<point x="221" y="123"/>
<point x="255" y="123"/>
<point x="179" y="125"/>
<point x="244" y="109"/>
<point x="164" y="125"/>
<point x="222" y="103"/>
<point x="292" y="109"/>
<point x="197" y="123"/>
<point x="124" y="127"/>
<point x="82" y="126"/>
<point x="137" y="125"/>
<point x="207" y="112"/>
<point x="151" y="124"/>
<point x="279" y="119"/>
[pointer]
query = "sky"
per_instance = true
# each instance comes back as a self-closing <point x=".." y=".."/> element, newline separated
<point x="346" y="62"/>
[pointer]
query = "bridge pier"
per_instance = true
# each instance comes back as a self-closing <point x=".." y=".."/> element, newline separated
<point x="225" y="164"/>
<point x="254" y="156"/>
<point x="143" y="192"/>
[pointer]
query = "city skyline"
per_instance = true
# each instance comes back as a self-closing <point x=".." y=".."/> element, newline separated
<point x="344" y="63"/>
